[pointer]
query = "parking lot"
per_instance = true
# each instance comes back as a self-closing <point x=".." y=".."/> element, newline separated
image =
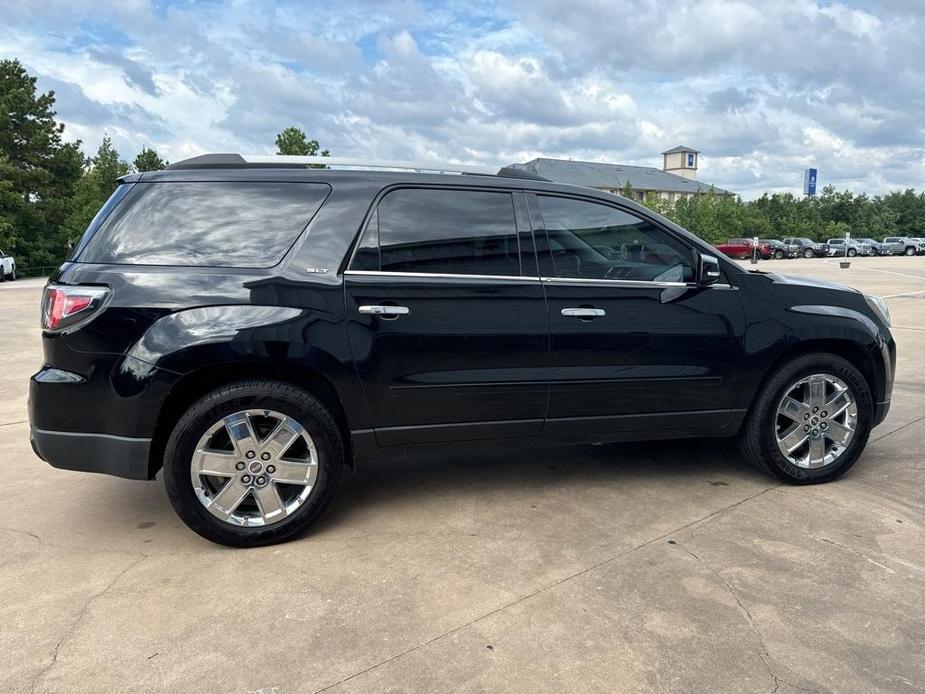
<point x="632" y="567"/>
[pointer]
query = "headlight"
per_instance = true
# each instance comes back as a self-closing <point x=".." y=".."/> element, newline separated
<point x="880" y="308"/>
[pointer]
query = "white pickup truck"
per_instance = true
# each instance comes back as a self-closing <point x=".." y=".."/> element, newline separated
<point x="7" y="267"/>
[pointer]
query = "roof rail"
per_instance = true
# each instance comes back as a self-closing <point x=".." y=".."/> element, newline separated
<point x="515" y="172"/>
<point x="239" y="161"/>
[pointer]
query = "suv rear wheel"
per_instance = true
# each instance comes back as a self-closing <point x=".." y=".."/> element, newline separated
<point x="811" y="421"/>
<point x="808" y="253"/>
<point x="253" y="463"/>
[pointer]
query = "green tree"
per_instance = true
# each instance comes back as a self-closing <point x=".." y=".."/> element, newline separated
<point x="627" y="191"/>
<point x="148" y="160"/>
<point x="38" y="171"/>
<point x="292" y="140"/>
<point x="96" y="185"/>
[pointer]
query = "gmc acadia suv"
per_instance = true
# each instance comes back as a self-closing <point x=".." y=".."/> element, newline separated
<point x="255" y="328"/>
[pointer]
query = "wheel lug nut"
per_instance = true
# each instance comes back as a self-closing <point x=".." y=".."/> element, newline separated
<point x="246" y="479"/>
<point x="815" y="432"/>
<point x="271" y="469"/>
<point x="815" y="410"/>
<point x="806" y="428"/>
<point x="806" y="416"/>
<point x="825" y="414"/>
<point x="251" y="454"/>
<point x="264" y="456"/>
<point x="239" y="466"/>
<point x="261" y="480"/>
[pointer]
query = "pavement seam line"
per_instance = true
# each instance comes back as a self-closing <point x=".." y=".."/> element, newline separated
<point x="704" y="519"/>
<point x="9" y="424"/>
<point x="855" y="552"/>
<point x="763" y="654"/>
<point x="78" y="620"/>
<point x="898" y="429"/>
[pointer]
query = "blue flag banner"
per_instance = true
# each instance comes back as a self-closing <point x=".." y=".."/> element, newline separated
<point x="809" y="182"/>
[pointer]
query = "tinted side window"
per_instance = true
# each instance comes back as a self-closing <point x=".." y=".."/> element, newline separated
<point x="234" y="224"/>
<point x="458" y="232"/>
<point x="595" y="241"/>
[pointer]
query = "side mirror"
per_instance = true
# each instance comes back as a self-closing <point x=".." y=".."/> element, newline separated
<point x="708" y="270"/>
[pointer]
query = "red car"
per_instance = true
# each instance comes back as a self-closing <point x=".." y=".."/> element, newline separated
<point x="744" y="248"/>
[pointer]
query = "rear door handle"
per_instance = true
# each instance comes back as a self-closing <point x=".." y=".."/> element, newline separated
<point x="384" y="310"/>
<point x="584" y="312"/>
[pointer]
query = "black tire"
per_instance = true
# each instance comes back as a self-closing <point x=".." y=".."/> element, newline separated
<point x="910" y="251"/>
<point x="873" y="253"/>
<point x="852" y="252"/>
<point x="808" y="253"/>
<point x="757" y="440"/>
<point x="281" y="397"/>
<point x="779" y="255"/>
<point x="13" y="275"/>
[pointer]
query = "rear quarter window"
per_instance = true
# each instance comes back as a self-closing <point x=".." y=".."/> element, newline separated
<point x="214" y="224"/>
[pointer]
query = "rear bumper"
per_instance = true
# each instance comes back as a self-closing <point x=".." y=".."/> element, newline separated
<point x="111" y="455"/>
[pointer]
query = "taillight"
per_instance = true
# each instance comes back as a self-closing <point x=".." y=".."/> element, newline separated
<point x="64" y="306"/>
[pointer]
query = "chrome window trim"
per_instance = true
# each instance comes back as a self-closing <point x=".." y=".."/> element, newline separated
<point x="615" y="283"/>
<point x="629" y="284"/>
<point x="441" y="275"/>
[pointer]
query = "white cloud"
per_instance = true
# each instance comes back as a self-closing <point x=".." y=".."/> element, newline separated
<point x="763" y="89"/>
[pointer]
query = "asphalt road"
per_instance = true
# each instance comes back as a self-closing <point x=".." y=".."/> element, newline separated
<point x="642" y="567"/>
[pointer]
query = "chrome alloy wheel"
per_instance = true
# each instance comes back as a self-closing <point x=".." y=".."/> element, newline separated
<point x="254" y="468"/>
<point x="816" y="421"/>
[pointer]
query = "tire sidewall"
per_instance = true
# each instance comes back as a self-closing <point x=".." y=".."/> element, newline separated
<point x="178" y="458"/>
<point x="828" y="364"/>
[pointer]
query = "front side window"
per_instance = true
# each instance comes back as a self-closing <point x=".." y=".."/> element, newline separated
<point x="457" y="232"/>
<point x="594" y="241"/>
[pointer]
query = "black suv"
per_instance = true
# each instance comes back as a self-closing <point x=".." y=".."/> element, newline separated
<point x="255" y="329"/>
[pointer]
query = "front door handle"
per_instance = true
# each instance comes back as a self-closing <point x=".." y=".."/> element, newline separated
<point x="384" y="310"/>
<point x="584" y="312"/>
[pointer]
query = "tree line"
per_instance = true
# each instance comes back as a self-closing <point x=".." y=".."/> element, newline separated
<point x="830" y="214"/>
<point x="50" y="191"/>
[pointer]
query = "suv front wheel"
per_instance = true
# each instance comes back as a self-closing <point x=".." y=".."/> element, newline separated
<point x="253" y="463"/>
<point x="811" y="421"/>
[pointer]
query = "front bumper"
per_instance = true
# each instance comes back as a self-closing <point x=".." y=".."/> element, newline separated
<point x="121" y="456"/>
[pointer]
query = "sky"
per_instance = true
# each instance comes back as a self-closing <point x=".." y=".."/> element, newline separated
<point x="762" y="89"/>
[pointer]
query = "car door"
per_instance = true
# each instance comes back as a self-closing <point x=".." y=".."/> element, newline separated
<point x="635" y="343"/>
<point x="447" y="318"/>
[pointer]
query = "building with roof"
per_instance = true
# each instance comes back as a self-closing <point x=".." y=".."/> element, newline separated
<point x="676" y="179"/>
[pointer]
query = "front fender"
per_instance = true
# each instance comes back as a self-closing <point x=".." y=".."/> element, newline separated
<point x="790" y="319"/>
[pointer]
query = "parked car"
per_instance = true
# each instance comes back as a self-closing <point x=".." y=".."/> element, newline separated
<point x="807" y="247"/>
<point x="745" y="248"/>
<point x="877" y="247"/>
<point x="906" y="245"/>
<point x="256" y="329"/>
<point x="838" y="247"/>
<point x="7" y="267"/>
<point x="780" y="250"/>
<point x="919" y="245"/>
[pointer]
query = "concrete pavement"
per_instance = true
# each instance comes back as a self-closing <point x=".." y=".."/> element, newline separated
<point x="637" y="567"/>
